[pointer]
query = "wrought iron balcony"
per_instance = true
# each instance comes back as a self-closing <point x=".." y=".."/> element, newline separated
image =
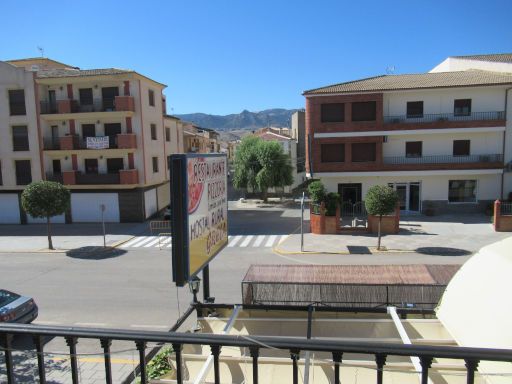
<point x="95" y="105"/>
<point x="97" y="178"/>
<point x="256" y="345"/>
<point x="440" y="117"/>
<point x="444" y="159"/>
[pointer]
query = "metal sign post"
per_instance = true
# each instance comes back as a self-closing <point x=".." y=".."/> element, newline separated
<point x="302" y="223"/>
<point x="102" y="208"/>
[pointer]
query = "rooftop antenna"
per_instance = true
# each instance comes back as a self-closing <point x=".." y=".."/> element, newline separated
<point x="41" y="50"/>
<point x="390" y="70"/>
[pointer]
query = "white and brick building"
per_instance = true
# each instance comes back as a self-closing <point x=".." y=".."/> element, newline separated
<point x="442" y="139"/>
<point x="101" y="132"/>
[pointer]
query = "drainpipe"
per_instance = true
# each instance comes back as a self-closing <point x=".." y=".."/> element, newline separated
<point x="504" y="141"/>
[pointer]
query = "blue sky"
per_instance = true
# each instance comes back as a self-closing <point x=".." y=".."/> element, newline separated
<point x="221" y="56"/>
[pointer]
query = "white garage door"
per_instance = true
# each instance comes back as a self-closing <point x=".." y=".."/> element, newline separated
<point x="150" y="202"/>
<point x="85" y="207"/>
<point x="9" y="209"/>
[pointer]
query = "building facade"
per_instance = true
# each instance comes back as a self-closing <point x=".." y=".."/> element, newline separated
<point x="102" y="132"/>
<point x="442" y="140"/>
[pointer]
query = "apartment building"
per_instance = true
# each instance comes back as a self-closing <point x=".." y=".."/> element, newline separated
<point x="441" y="139"/>
<point x="200" y="140"/>
<point x="101" y="132"/>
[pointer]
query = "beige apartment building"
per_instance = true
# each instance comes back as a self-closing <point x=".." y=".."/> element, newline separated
<point x="442" y="139"/>
<point x="200" y="140"/>
<point x="104" y="133"/>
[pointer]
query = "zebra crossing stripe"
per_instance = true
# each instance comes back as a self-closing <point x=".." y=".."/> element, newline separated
<point x="247" y="240"/>
<point x="165" y="241"/>
<point x="258" y="241"/>
<point x="270" y="241"/>
<point x="151" y="243"/>
<point x="235" y="240"/>
<point x="143" y="241"/>
<point x="282" y="239"/>
<point x="132" y="241"/>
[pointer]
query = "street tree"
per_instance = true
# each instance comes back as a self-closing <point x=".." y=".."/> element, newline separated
<point x="260" y="165"/>
<point x="45" y="199"/>
<point x="380" y="200"/>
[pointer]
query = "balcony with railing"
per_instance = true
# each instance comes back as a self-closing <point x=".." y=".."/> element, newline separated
<point x="123" y="176"/>
<point x="488" y="161"/>
<point x="446" y="120"/>
<point x="234" y="356"/>
<point x="119" y="103"/>
<point x="74" y="142"/>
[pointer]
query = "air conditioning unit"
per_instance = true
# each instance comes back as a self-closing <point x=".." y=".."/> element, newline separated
<point x="384" y="139"/>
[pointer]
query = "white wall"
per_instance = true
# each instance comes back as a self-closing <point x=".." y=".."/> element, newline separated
<point x="17" y="78"/>
<point x="435" y="101"/>
<point x="442" y="144"/>
<point x="453" y="64"/>
<point x="85" y="207"/>
<point x="150" y="202"/>
<point x="432" y="187"/>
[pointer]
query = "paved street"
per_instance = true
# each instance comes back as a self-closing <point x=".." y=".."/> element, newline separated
<point x="133" y="288"/>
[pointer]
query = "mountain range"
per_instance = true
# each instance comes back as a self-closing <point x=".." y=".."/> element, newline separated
<point x="244" y="120"/>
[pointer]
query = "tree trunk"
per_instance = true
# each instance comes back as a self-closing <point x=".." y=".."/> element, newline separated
<point x="264" y="195"/>
<point x="48" y="226"/>
<point x="378" y="241"/>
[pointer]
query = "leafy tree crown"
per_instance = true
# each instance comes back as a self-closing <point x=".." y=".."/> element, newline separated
<point x="45" y="199"/>
<point x="380" y="200"/>
<point x="317" y="191"/>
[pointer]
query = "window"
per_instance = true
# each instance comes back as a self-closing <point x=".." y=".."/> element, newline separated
<point x="88" y="130"/>
<point x="462" y="107"/>
<point x="364" y="111"/>
<point x="17" y="102"/>
<point x="56" y="167"/>
<point x="462" y="191"/>
<point x="115" y="165"/>
<point x="414" y="109"/>
<point x="332" y="153"/>
<point x="155" y="164"/>
<point x="23" y="172"/>
<point x="413" y="149"/>
<point x="91" y="166"/>
<point x="332" y="113"/>
<point x="151" y="95"/>
<point x="108" y="95"/>
<point x="362" y="152"/>
<point x="20" y="138"/>
<point x="461" y="147"/>
<point x="85" y="96"/>
<point x="153" y="132"/>
<point x="167" y="134"/>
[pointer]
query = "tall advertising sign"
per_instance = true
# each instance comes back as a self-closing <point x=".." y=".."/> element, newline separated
<point x="199" y="212"/>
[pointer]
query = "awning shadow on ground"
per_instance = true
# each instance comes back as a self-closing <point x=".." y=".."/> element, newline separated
<point x="442" y="251"/>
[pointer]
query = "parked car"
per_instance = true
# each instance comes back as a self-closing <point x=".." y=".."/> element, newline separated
<point x="15" y="308"/>
<point x="167" y="213"/>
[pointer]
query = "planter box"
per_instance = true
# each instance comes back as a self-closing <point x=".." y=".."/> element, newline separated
<point x="323" y="225"/>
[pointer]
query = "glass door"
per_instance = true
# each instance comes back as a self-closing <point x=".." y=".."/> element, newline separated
<point x="414" y="197"/>
<point x="409" y="195"/>
<point x="401" y="190"/>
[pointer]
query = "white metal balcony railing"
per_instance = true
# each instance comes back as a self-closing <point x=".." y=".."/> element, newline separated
<point x="440" y="117"/>
<point x="444" y="159"/>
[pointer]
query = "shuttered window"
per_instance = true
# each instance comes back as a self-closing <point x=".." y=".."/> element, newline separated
<point x="332" y="112"/>
<point x="364" y="111"/>
<point x="363" y="152"/>
<point x="17" y="102"/>
<point x="332" y="153"/>
<point x="20" y="138"/>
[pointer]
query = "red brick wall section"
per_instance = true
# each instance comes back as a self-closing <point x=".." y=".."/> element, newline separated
<point x="128" y="176"/>
<point x="501" y="223"/>
<point x="126" y="88"/>
<point x="66" y="143"/>
<point x="69" y="177"/>
<point x="125" y="103"/>
<point x="74" y="162"/>
<point x="70" y="91"/>
<point x="131" y="161"/>
<point x="129" y="128"/>
<point x="64" y="106"/>
<point x="317" y="222"/>
<point x="126" y="141"/>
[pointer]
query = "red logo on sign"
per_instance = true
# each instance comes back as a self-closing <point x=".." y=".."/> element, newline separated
<point x="195" y="185"/>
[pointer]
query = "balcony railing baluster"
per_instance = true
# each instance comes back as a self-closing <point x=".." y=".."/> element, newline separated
<point x="141" y="347"/>
<point x="105" y="344"/>
<point x="380" y="359"/>
<point x="336" y="357"/>
<point x="254" y="351"/>
<point x="38" y="342"/>
<point x="294" y="354"/>
<point x="426" y="363"/>
<point x="6" y="344"/>
<point x="443" y="159"/>
<point x="216" y="370"/>
<point x="177" y="348"/>
<point x="71" y="342"/>
<point x="471" y="366"/>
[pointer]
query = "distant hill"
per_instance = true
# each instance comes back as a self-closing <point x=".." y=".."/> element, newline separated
<point x="245" y="120"/>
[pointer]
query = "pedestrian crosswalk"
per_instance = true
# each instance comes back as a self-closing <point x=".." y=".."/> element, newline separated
<point x="239" y="241"/>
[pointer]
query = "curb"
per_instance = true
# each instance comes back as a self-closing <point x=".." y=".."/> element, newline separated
<point x="121" y="242"/>
<point x="37" y="251"/>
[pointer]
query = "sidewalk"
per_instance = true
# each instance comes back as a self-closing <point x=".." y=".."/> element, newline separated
<point x="443" y="235"/>
<point x="33" y="237"/>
